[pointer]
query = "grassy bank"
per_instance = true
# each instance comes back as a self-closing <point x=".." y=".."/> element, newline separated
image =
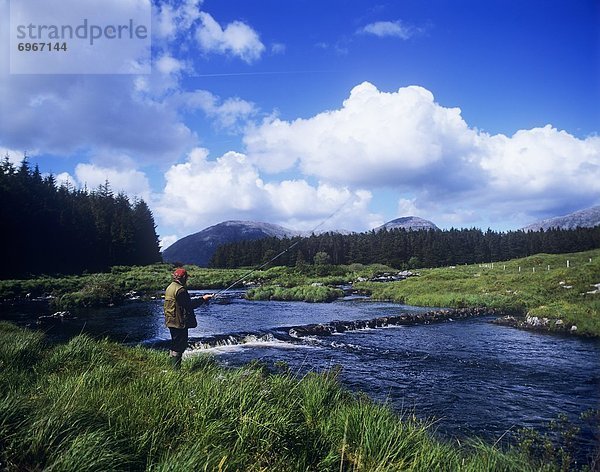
<point x="305" y="293"/>
<point x="110" y="288"/>
<point x="541" y="285"/>
<point x="95" y="405"/>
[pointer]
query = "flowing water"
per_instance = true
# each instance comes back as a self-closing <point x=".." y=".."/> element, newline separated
<point x="472" y="377"/>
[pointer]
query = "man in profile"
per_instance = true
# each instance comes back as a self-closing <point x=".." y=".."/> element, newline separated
<point x="179" y="314"/>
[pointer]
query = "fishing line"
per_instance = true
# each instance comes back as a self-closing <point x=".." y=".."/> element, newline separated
<point x="284" y="251"/>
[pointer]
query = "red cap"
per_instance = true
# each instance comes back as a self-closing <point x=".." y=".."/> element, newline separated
<point x="180" y="273"/>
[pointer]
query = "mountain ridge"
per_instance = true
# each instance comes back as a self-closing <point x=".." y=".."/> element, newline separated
<point x="408" y="222"/>
<point x="198" y="248"/>
<point x="586" y="218"/>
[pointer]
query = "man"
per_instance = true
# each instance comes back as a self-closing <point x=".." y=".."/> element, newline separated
<point x="179" y="314"/>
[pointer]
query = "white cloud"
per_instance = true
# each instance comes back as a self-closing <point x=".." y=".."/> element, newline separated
<point x="130" y="181"/>
<point x="237" y="39"/>
<point x="74" y="113"/>
<point x="142" y="116"/>
<point x="227" y="113"/>
<point x="533" y="161"/>
<point x="405" y="140"/>
<point x="203" y="192"/>
<point x="168" y="65"/>
<point x="171" y="20"/>
<point x="167" y="240"/>
<point x="407" y="207"/>
<point x="376" y="138"/>
<point x="14" y="156"/>
<point x="396" y="29"/>
<point x="64" y="179"/>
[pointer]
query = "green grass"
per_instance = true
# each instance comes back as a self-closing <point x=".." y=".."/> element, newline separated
<point x="96" y="405"/>
<point x="540" y="292"/>
<point x="87" y="290"/>
<point x="533" y="289"/>
<point x="306" y="293"/>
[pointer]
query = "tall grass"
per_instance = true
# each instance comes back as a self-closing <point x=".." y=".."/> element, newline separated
<point x="306" y="293"/>
<point x="95" y="405"/>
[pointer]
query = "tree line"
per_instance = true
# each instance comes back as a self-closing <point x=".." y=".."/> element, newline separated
<point x="403" y="249"/>
<point x="56" y="229"/>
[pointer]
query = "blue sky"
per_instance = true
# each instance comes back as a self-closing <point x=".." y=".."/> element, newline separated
<point x="466" y="113"/>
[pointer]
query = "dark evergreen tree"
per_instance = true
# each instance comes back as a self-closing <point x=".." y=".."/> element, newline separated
<point x="401" y="248"/>
<point x="50" y="230"/>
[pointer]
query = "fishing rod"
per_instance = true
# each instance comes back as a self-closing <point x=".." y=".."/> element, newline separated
<point x="245" y="276"/>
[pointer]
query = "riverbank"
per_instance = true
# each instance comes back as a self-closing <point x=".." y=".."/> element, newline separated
<point x="96" y="405"/>
<point x="561" y="288"/>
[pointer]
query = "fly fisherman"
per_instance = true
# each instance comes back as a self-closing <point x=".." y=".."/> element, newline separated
<point x="179" y="314"/>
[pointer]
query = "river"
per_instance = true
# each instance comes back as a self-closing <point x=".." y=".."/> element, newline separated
<point x="472" y="377"/>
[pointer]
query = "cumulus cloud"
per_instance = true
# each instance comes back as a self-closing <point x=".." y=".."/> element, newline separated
<point x="14" y="156"/>
<point x="132" y="182"/>
<point x="539" y="173"/>
<point x="65" y="179"/>
<point x="396" y="29"/>
<point x="173" y="18"/>
<point x="376" y="138"/>
<point x="407" y="141"/>
<point x="532" y="161"/>
<point x="201" y="192"/>
<point x="237" y="39"/>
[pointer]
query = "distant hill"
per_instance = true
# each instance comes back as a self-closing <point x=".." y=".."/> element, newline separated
<point x="408" y="222"/>
<point x="587" y="218"/>
<point x="199" y="247"/>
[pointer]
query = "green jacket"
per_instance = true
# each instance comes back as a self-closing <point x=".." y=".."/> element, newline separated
<point x="179" y="308"/>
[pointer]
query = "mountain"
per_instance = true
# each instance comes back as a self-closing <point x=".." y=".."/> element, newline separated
<point x="199" y="247"/>
<point x="408" y="222"/>
<point x="587" y="218"/>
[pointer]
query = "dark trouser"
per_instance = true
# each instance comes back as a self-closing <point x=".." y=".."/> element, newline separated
<point x="179" y="340"/>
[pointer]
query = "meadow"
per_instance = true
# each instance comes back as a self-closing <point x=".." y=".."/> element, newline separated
<point x="542" y="286"/>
